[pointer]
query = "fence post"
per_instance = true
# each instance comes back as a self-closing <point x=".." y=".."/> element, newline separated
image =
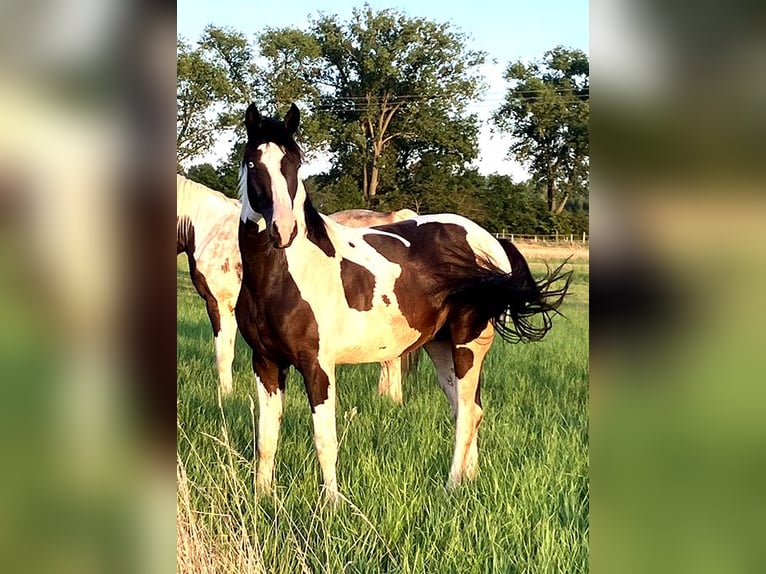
<point x="583" y="237"/>
<point x="511" y="237"/>
<point x="571" y="238"/>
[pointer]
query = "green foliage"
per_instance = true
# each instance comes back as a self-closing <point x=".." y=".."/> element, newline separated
<point x="547" y="111"/>
<point x="215" y="80"/>
<point x="334" y="193"/>
<point x="224" y="178"/>
<point x="200" y="85"/>
<point x="510" y="206"/>
<point x="205" y="174"/>
<point x="386" y="90"/>
<point x="228" y="171"/>
<point x="386" y="96"/>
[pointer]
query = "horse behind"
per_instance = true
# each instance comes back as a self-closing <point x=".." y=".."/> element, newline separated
<point x="206" y="221"/>
<point x="206" y="226"/>
<point x="368" y="218"/>
<point x="316" y="294"/>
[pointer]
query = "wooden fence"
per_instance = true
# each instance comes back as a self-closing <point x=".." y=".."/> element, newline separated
<point x="554" y="238"/>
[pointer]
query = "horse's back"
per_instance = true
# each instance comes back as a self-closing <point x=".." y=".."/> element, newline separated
<point x="437" y="238"/>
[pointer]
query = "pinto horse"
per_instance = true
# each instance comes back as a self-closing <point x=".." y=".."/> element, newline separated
<point x="206" y="221"/>
<point x="316" y="294"/>
<point x="206" y="227"/>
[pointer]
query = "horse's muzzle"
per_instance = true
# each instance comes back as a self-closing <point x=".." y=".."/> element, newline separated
<point x="278" y="240"/>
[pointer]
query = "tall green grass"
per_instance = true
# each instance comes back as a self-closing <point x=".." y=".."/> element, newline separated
<point x="527" y="511"/>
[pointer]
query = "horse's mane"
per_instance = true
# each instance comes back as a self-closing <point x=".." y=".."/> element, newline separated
<point x="317" y="228"/>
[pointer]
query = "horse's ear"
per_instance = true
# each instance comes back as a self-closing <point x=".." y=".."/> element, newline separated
<point x="252" y="118"/>
<point x="292" y="119"/>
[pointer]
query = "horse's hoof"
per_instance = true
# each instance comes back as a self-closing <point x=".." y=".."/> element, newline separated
<point x="330" y="498"/>
<point x="263" y="488"/>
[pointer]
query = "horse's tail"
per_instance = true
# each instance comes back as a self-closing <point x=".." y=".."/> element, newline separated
<point x="519" y="307"/>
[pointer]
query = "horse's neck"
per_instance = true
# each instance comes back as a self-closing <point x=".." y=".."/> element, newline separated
<point x="201" y="211"/>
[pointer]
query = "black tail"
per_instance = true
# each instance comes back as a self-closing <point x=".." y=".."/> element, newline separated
<point x="494" y="295"/>
<point x="533" y="298"/>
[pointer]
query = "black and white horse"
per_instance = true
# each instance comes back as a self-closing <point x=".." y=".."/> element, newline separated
<point x="316" y="294"/>
<point x="206" y="225"/>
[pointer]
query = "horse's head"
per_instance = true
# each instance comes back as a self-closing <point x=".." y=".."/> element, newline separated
<point x="270" y="173"/>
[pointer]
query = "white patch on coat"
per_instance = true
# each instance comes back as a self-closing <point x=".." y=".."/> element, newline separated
<point x="270" y="408"/>
<point x="283" y="215"/>
<point x="248" y="213"/>
<point x="386" y="331"/>
<point x="465" y="459"/>
<point x="326" y="438"/>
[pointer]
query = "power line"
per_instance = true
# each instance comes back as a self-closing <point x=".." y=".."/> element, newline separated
<point x="421" y="97"/>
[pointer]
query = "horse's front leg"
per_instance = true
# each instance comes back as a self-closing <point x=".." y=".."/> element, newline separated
<point x="224" y="348"/>
<point x="320" y="387"/>
<point x="270" y="381"/>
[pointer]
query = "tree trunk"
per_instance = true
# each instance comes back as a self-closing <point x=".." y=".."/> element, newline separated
<point x="560" y="207"/>
<point x="373" y="187"/>
<point x="550" y="189"/>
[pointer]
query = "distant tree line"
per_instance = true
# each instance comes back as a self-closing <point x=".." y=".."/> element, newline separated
<point x="386" y="97"/>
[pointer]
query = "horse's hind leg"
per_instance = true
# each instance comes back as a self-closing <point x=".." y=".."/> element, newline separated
<point x="468" y="359"/>
<point x="224" y="348"/>
<point x="390" y="381"/>
<point x="441" y="355"/>
<point x="270" y="381"/>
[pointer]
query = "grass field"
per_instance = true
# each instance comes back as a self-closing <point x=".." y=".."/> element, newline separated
<point x="526" y="512"/>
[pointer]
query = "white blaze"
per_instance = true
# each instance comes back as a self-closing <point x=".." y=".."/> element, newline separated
<point x="283" y="216"/>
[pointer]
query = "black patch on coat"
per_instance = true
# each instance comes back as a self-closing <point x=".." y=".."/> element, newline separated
<point x="184" y="228"/>
<point x="421" y="288"/>
<point x="441" y="264"/>
<point x="477" y="396"/>
<point x="317" y="230"/>
<point x="463" y="359"/>
<point x="277" y="323"/>
<point x="358" y="285"/>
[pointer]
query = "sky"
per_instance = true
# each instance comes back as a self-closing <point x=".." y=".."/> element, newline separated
<point x="507" y="31"/>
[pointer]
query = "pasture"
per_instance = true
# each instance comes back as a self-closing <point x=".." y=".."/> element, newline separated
<point x="526" y="512"/>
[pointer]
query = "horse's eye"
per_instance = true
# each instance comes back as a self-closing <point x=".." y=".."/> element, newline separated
<point x="250" y="164"/>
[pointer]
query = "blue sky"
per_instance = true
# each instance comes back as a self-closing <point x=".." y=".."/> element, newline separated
<point x="507" y="30"/>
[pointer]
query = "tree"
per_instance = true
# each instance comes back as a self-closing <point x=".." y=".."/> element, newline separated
<point x="199" y="86"/>
<point x="511" y="207"/>
<point x="546" y="110"/>
<point x="215" y="80"/>
<point x="390" y="89"/>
